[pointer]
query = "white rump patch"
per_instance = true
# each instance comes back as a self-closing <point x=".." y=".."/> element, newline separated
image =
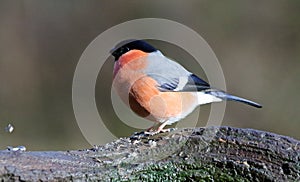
<point x="204" y="98"/>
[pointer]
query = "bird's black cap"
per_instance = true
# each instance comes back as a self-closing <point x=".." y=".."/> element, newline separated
<point x="128" y="45"/>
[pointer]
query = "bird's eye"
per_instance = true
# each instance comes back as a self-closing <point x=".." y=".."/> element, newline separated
<point x="120" y="51"/>
<point x="125" y="49"/>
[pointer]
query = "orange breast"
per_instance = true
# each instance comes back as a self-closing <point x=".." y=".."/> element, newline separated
<point x="127" y="70"/>
<point x="161" y="105"/>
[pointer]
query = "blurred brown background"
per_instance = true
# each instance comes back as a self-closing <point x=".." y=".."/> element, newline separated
<point x="257" y="44"/>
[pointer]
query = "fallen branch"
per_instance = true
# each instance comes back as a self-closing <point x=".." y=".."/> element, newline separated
<point x="218" y="153"/>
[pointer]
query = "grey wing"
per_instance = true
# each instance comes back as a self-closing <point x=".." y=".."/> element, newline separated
<point x="190" y="83"/>
<point x="171" y="76"/>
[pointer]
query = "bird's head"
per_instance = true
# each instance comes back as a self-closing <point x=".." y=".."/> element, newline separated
<point x="130" y="45"/>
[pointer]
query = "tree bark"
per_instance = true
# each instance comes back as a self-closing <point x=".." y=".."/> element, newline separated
<point x="209" y="154"/>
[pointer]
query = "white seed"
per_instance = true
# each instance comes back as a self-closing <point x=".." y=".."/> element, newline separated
<point x="9" y="128"/>
<point x="18" y="148"/>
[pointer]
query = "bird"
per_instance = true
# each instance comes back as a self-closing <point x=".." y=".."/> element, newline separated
<point x="158" y="88"/>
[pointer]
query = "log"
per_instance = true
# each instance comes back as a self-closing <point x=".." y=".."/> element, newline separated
<point x="188" y="154"/>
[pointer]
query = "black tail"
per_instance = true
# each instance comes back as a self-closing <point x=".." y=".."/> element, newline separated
<point x="225" y="96"/>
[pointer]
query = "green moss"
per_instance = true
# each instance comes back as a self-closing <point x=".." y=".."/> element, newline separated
<point x="185" y="172"/>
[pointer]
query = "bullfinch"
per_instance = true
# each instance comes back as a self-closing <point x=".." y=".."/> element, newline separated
<point x="158" y="88"/>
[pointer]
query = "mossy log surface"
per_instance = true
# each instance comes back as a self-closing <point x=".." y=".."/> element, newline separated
<point x="200" y="154"/>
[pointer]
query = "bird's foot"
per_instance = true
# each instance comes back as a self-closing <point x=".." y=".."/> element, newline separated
<point x="151" y="133"/>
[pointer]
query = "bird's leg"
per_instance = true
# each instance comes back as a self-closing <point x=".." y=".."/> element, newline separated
<point x="151" y="128"/>
<point x="150" y="131"/>
<point x="160" y="129"/>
